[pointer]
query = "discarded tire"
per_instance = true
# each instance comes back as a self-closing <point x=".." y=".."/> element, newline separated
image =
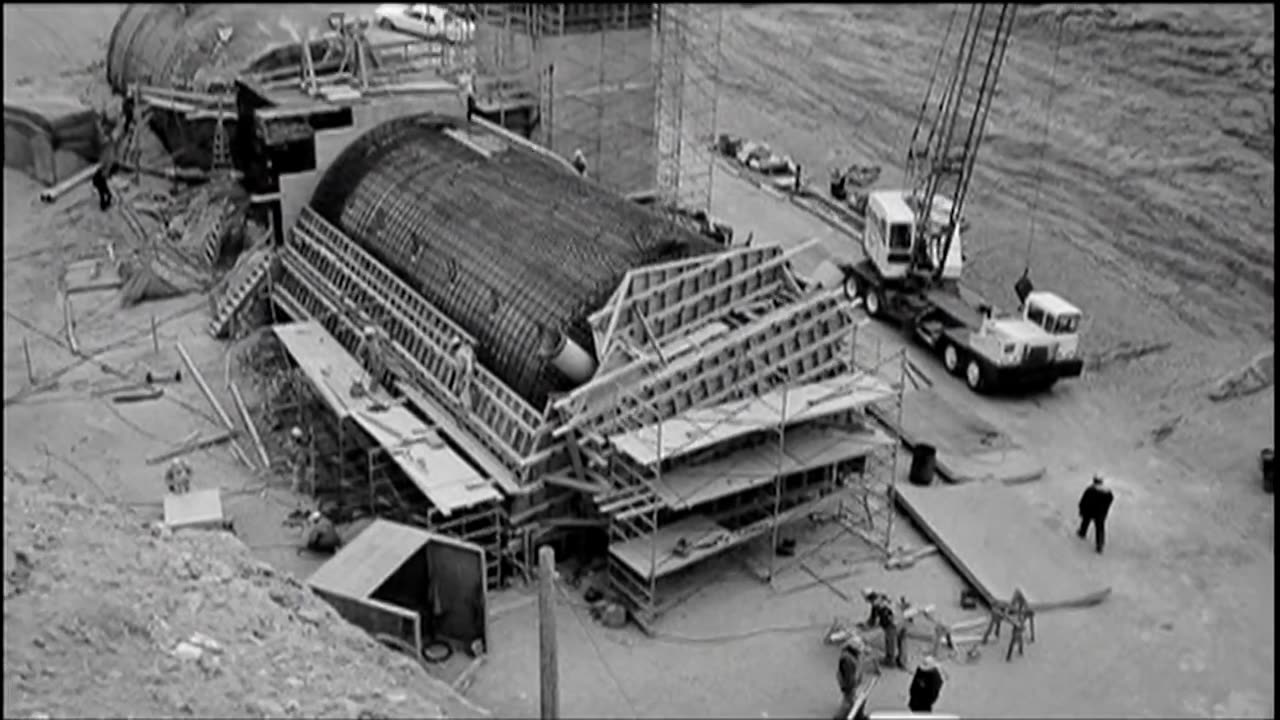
<point x="924" y="464"/>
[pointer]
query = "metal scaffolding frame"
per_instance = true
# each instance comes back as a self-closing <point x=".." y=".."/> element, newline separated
<point x="631" y="85"/>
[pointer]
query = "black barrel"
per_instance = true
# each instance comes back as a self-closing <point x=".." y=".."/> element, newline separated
<point x="924" y="462"/>
<point x="1268" y="461"/>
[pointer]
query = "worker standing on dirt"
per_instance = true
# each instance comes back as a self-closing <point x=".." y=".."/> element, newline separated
<point x="926" y="686"/>
<point x="580" y="162"/>
<point x="1095" y="503"/>
<point x="177" y="477"/>
<point x="370" y="353"/>
<point x="299" y="456"/>
<point x="849" y="674"/>
<point x="106" y="167"/>
<point x="883" y="617"/>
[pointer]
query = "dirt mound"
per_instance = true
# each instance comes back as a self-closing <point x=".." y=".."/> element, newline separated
<point x="104" y="617"/>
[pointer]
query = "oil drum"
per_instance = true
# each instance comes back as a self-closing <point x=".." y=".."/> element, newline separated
<point x="924" y="463"/>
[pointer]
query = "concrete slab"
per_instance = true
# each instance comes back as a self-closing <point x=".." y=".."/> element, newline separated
<point x="969" y="448"/>
<point x="194" y="509"/>
<point x="995" y="540"/>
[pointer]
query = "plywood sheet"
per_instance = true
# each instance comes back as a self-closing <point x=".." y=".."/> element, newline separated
<point x="969" y="448"/>
<point x="657" y="550"/>
<point x="446" y="479"/>
<point x="804" y="448"/>
<point x="700" y="428"/>
<point x="194" y="509"/>
<point x="998" y="542"/>
<point x="365" y="563"/>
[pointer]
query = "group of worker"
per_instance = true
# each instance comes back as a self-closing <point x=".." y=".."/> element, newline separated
<point x="926" y="682"/>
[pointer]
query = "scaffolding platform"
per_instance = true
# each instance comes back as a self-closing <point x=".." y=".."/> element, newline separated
<point x="997" y="542"/>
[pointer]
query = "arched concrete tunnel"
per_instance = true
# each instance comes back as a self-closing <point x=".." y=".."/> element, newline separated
<point x="511" y="247"/>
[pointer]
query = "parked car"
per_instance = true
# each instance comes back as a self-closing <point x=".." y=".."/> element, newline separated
<point x="434" y="22"/>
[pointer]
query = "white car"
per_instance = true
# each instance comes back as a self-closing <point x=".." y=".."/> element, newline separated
<point x="429" y="21"/>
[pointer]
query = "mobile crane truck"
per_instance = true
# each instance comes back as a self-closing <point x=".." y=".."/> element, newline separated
<point x="911" y="239"/>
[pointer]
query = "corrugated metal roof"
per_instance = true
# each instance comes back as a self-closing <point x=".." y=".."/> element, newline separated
<point x="365" y="563"/>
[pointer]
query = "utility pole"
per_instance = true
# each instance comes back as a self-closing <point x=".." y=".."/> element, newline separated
<point x="550" y="668"/>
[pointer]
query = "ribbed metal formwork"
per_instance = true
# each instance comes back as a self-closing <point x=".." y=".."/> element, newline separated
<point x="511" y="247"/>
<point x="172" y="45"/>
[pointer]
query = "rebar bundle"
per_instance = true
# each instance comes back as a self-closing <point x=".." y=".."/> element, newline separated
<point x="510" y="246"/>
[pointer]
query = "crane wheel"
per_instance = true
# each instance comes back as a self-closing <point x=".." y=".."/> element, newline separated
<point x="874" y="302"/>
<point x="950" y="358"/>
<point x="852" y="291"/>
<point x="974" y="377"/>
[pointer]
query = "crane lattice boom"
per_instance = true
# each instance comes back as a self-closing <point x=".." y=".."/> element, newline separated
<point x="940" y="164"/>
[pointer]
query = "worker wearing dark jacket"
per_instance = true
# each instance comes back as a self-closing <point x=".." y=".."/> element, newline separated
<point x="849" y="675"/>
<point x="1095" y="503"/>
<point x="883" y="617"/>
<point x="106" y="166"/>
<point x="926" y="686"/>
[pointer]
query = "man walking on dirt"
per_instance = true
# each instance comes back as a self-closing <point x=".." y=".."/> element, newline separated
<point x="106" y="166"/>
<point x="1095" y="503"/>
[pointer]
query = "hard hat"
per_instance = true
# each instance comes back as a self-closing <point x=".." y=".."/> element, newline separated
<point x="928" y="663"/>
<point x="296" y="432"/>
<point x="869" y="593"/>
<point x="314" y="516"/>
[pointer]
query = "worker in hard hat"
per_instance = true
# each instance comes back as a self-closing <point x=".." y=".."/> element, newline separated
<point x="849" y="673"/>
<point x="883" y="618"/>
<point x="299" y="457"/>
<point x="320" y="535"/>
<point x="370" y="352"/>
<point x="580" y="162"/>
<point x="177" y="477"/>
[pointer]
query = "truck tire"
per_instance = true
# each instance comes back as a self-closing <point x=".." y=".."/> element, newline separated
<point x="852" y="288"/>
<point x="950" y="357"/>
<point x="874" y="302"/>
<point x="974" y="376"/>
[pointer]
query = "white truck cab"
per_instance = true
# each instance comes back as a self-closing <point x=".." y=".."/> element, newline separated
<point x="890" y="233"/>
<point x="1058" y="318"/>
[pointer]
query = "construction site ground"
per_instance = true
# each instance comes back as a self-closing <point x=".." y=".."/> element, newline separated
<point x="1187" y="630"/>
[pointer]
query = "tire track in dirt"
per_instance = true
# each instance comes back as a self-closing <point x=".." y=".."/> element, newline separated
<point x="1141" y="172"/>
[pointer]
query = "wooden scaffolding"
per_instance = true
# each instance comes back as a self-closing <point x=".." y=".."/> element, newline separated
<point x="369" y="456"/>
<point x="696" y="453"/>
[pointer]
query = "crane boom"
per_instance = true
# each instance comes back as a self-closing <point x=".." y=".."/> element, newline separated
<point x="940" y="164"/>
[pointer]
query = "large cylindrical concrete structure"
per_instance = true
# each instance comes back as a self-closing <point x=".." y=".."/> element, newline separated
<point x="508" y="244"/>
<point x="202" y="47"/>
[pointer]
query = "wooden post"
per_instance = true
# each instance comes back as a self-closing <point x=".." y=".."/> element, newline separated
<point x="26" y="353"/>
<point x="550" y="670"/>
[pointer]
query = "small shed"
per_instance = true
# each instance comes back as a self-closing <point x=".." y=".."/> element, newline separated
<point x="414" y="585"/>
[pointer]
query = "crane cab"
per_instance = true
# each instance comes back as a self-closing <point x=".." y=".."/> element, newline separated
<point x="1057" y="317"/>
<point x="890" y="235"/>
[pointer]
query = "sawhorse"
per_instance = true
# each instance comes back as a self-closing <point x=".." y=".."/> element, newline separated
<point x="1022" y="621"/>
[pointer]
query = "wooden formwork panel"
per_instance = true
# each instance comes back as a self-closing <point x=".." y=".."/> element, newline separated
<point x="305" y="294"/>
<point x="661" y="302"/>
<point x="795" y="344"/>
<point x="339" y="268"/>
